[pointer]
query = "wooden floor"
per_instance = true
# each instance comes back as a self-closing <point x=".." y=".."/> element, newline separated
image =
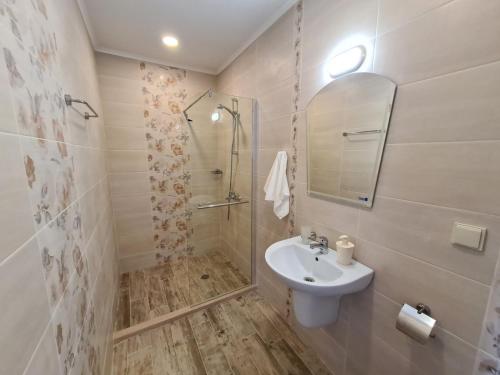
<point x="240" y="336"/>
<point x="179" y="283"/>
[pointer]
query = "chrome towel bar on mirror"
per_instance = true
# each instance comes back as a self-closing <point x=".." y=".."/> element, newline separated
<point x="69" y="101"/>
<point x="374" y="131"/>
<point x="202" y="206"/>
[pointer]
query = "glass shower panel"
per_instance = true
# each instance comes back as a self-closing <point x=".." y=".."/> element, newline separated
<point x="219" y="255"/>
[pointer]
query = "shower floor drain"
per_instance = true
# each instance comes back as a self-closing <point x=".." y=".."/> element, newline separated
<point x="204" y="276"/>
<point x="309" y="279"/>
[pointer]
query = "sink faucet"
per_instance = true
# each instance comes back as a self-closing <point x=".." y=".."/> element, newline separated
<point x="322" y="243"/>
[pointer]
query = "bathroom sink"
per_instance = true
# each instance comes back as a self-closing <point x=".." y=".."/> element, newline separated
<point x="318" y="282"/>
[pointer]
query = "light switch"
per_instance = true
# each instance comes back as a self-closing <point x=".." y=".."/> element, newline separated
<point x="468" y="236"/>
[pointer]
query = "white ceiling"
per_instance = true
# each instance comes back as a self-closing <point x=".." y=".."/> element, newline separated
<point x="211" y="33"/>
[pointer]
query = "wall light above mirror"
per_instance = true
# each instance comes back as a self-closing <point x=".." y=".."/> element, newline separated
<point x="347" y="62"/>
<point x="347" y="124"/>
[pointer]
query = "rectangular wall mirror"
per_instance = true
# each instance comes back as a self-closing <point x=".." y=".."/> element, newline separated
<point x="347" y="124"/>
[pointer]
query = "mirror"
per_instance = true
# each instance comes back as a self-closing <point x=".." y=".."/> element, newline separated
<point x="347" y="124"/>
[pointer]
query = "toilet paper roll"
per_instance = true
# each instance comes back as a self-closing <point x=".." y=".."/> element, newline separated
<point x="418" y="326"/>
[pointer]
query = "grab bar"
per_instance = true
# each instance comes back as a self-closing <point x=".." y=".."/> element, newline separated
<point x="361" y="132"/>
<point x="69" y="101"/>
<point x="203" y="206"/>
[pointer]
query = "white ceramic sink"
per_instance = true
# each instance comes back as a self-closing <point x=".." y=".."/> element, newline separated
<point x="317" y="280"/>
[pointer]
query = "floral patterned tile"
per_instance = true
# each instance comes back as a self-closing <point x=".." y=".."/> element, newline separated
<point x="50" y="173"/>
<point x="30" y="54"/>
<point x="164" y="92"/>
<point x="61" y="247"/>
<point x="68" y="322"/>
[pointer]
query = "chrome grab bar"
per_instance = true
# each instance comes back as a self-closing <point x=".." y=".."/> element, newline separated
<point x="361" y="132"/>
<point x="202" y="206"/>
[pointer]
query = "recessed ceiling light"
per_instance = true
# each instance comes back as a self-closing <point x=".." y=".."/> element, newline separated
<point x="170" y="41"/>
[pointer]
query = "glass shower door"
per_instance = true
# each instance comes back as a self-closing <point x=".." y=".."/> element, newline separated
<point x="219" y="250"/>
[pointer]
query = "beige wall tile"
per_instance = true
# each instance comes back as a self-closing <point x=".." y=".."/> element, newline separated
<point x="408" y="280"/>
<point x="131" y="205"/>
<point x="440" y="109"/>
<point x="407" y="54"/>
<point x="275" y="53"/>
<point x="127" y="115"/>
<point x="275" y="133"/>
<point x="424" y="231"/>
<point x="135" y="242"/>
<point x="369" y="355"/>
<point x="121" y="90"/>
<point x="134" y="183"/>
<point x="461" y="175"/>
<point x="133" y="222"/>
<point x="276" y="102"/>
<point x="115" y="66"/>
<point x="329" y="214"/>
<point x="126" y="161"/>
<point x="125" y="138"/>
<point x="394" y="13"/>
<point x="245" y="62"/>
<point x="25" y="310"/>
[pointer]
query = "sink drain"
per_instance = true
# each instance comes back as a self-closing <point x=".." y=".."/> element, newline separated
<point x="309" y="279"/>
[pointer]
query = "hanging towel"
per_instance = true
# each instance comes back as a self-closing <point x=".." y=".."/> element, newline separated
<point x="276" y="187"/>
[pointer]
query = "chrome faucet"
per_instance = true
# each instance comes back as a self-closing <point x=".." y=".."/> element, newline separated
<point x="322" y="243"/>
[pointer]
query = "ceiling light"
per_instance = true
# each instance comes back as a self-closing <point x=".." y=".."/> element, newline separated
<point x="347" y="62"/>
<point x="170" y="41"/>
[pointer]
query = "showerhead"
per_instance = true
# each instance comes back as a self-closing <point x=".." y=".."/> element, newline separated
<point x="221" y="106"/>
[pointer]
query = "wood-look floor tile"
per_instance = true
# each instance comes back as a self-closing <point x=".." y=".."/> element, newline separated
<point x="243" y="336"/>
<point x="122" y="319"/>
<point x="186" y="349"/>
<point x="261" y="356"/>
<point x="211" y="351"/>
<point x="174" y="285"/>
<point x="164" y="359"/>
<point x="288" y="360"/>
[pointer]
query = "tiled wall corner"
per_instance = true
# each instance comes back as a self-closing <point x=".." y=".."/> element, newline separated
<point x="57" y="258"/>
<point x="439" y="167"/>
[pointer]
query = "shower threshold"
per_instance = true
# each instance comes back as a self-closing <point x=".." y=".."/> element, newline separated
<point x="162" y="319"/>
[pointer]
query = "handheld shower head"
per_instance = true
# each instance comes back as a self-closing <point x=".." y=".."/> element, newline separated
<point x="221" y="106"/>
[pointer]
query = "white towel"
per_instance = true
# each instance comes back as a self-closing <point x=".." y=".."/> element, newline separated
<point x="276" y="187"/>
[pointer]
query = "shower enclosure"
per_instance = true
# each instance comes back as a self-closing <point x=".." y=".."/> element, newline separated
<point x="220" y="143"/>
<point x="202" y="212"/>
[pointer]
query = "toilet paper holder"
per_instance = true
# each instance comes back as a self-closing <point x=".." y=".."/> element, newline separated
<point x="416" y="322"/>
<point x="422" y="308"/>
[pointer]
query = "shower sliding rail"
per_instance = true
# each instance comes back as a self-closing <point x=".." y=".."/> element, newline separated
<point x="203" y="206"/>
